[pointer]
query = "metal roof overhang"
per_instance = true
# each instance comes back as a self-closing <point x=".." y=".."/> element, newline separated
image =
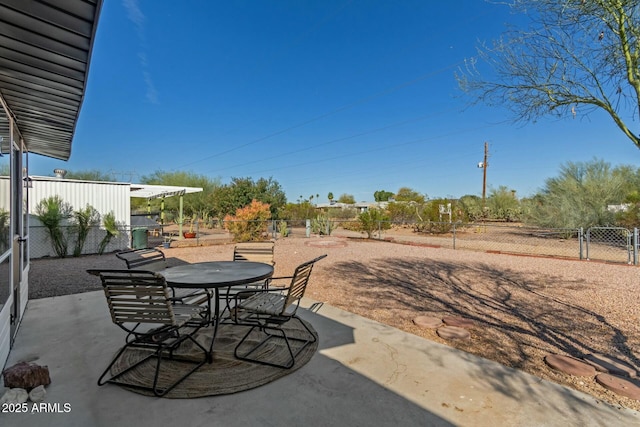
<point x="45" y="50"/>
<point x="159" y="191"/>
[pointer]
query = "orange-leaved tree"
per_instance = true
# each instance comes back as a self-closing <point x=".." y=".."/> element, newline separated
<point x="250" y="222"/>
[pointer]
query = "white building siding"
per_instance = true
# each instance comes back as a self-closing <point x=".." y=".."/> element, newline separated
<point x="105" y="197"/>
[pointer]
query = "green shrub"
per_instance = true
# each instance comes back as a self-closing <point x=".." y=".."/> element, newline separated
<point x="322" y="225"/>
<point x="283" y="229"/>
<point x="52" y="211"/>
<point x="111" y="228"/>
<point x="373" y="220"/>
<point x="83" y="221"/>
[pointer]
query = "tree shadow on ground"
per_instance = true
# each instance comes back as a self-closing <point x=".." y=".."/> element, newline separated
<point x="518" y="317"/>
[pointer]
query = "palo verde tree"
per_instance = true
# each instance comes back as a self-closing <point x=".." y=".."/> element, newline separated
<point x="579" y="196"/>
<point x="347" y="199"/>
<point x="575" y="57"/>
<point x="382" y="195"/>
<point x="240" y="192"/>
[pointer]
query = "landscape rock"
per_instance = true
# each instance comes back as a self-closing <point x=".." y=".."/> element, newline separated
<point x="623" y="386"/>
<point x="38" y="394"/>
<point x="26" y="375"/>
<point x="570" y="365"/>
<point x="453" y="333"/>
<point x="428" y="322"/>
<point x="460" y="322"/>
<point x="14" y="395"/>
<point x="610" y="365"/>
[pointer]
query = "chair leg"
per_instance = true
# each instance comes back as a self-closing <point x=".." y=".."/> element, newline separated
<point x="275" y="332"/>
<point x="158" y="354"/>
<point x="115" y="359"/>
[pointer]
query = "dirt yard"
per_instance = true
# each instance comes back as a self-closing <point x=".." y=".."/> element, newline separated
<point x="523" y="308"/>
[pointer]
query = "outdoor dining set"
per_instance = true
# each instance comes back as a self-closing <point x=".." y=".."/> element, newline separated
<point x="163" y="309"/>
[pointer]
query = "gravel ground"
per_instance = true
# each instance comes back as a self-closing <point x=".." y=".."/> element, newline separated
<point x="523" y="307"/>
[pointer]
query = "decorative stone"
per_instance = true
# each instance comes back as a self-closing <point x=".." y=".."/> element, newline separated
<point x="623" y="386"/>
<point x="453" y="333"/>
<point x="37" y="394"/>
<point x="14" y="395"/>
<point x="610" y="365"/>
<point x="460" y="322"/>
<point x="428" y="322"/>
<point x="570" y="365"/>
<point x="26" y="375"/>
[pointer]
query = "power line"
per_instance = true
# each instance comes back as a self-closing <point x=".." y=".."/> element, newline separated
<point x="325" y="115"/>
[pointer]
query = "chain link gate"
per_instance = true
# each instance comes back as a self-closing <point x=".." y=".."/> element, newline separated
<point x="610" y="244"/>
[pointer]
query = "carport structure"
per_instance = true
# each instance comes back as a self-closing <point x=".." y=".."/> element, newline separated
<point x="161" y="192"/>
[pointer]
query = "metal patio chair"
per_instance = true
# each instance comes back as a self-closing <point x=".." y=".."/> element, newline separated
<point x="140" y="304"/>
<point x="253" y="252"/>
<point x="268" y="310"/>
<point x="152" y="259"/>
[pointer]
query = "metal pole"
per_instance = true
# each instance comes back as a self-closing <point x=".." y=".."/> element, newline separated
<point x="454" y="236"/>
<point x="580" y="241"/>
<point x="484" y="177"/>
<point x="635" y="246"/>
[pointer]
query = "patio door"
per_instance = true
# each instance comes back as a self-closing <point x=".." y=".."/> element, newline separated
<point x="16" y="243"/>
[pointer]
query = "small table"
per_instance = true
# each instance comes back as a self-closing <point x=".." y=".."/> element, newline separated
<point x="215" y="275"/>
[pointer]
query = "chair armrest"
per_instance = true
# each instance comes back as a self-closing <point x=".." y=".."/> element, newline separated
<point x="268" y="284"/>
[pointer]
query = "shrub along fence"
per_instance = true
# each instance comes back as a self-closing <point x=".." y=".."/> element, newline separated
<point x="611" y="244"/>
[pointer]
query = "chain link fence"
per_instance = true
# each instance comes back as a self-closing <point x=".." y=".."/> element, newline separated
<point x="612" y="244"/>
<point x="40" y="243"/>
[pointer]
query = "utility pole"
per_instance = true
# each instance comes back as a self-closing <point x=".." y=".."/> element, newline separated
<point x="484" y="164"/>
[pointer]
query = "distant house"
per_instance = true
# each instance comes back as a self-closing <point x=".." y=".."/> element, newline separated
<point x="359" y="207"/>
<point x="618" y="208"/>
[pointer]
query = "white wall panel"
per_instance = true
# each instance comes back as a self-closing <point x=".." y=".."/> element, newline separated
<point x="104" y="196"/>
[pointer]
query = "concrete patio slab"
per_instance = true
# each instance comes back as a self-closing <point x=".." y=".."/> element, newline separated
<point x="364" y="374"/>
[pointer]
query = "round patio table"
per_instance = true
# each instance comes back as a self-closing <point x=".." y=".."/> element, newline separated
<point x="215" y="275"/>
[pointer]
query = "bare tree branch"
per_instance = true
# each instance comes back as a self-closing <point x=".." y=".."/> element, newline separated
<point x="575" y="57"/>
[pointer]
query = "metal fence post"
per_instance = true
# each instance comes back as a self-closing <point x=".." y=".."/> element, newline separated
<point x="454" y="236"/>
<point x="308" y="228"/>
<point x="635" y="246"/>
<point x="580" y="242"/>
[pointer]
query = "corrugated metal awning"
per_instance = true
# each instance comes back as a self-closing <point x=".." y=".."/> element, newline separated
<point x="158" y="191"/>
<point x="45" y="50"/>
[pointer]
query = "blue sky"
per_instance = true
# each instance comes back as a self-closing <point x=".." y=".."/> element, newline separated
<point x="324" y="96"/>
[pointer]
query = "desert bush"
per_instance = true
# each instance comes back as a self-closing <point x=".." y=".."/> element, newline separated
<point x="433" y="227"/>
<point x="283" y="229"/>
<point x="403" y="212"/>
<point x="52" y="211"/>
<point x="249" y="222"/>
<point x="83" y="221"/>
<point x="297" y="211"/>
<point x="322" y="225"/>
<point x="342" y="213"/>
<point x="373" y="220"/>
<point x="111" y="228"/>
